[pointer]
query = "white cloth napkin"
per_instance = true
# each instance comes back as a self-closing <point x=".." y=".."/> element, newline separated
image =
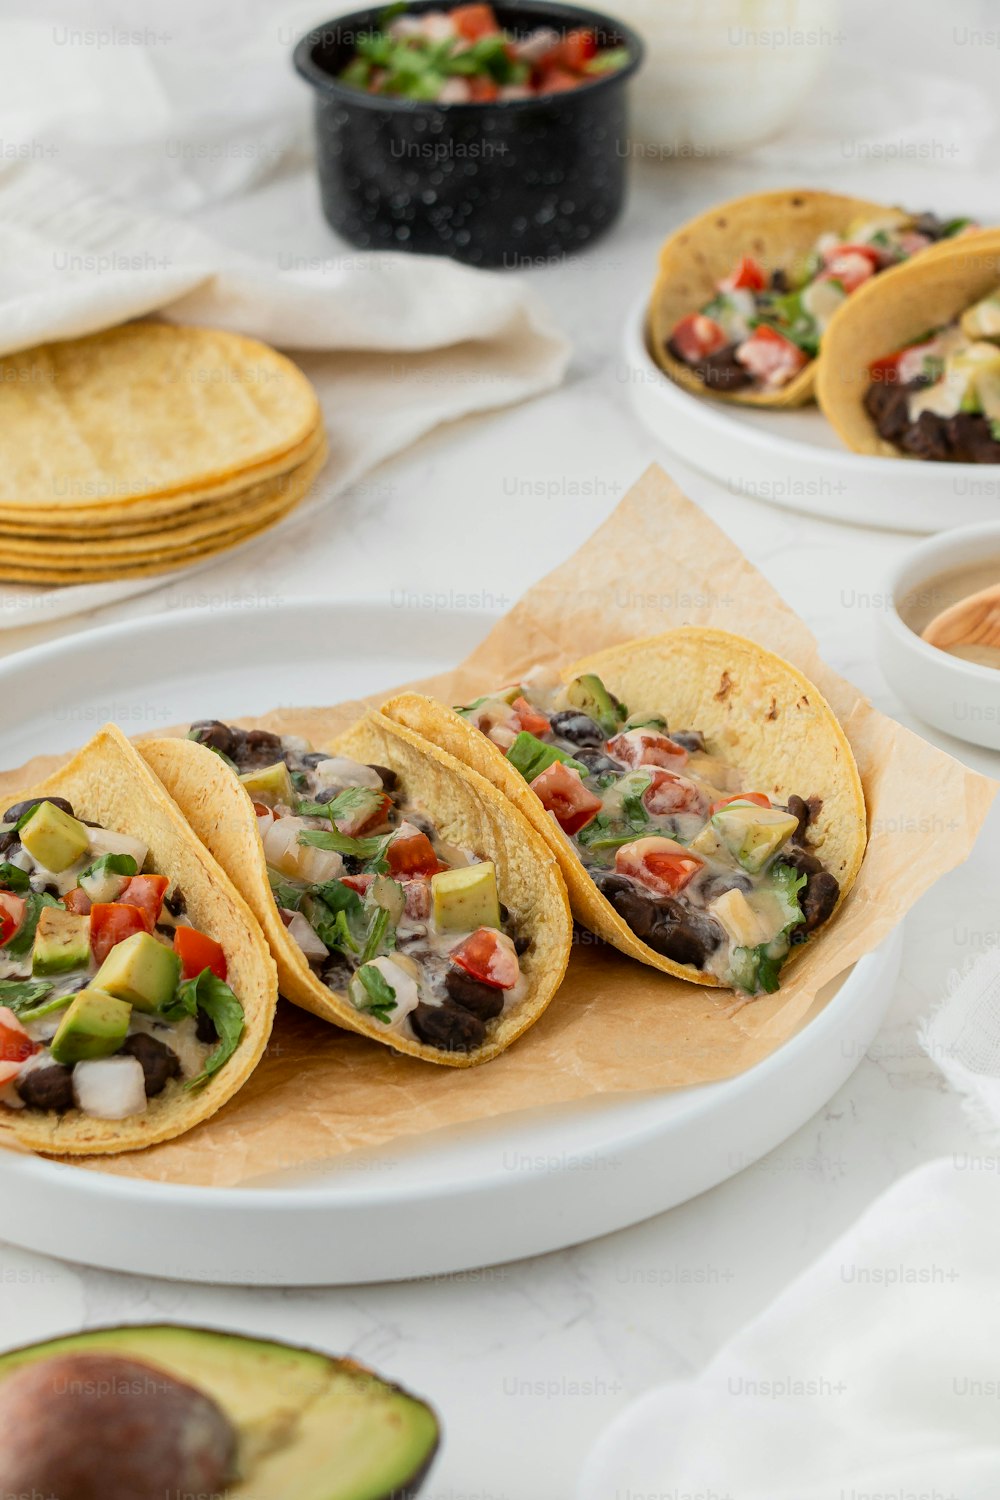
<point x="395" y="344"/>
<point x="963" y="1038"/>
<point x="874" y="1376"/>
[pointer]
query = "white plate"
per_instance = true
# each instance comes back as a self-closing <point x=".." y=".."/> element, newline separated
<point x="505" y="1188"/>
<point x="795" y="459"/>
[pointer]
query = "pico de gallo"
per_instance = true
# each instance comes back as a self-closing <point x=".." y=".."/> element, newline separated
<point x="939" y="398"/>
<point x="409" y="927"/>
<point x="765" y="323"/>
<point x="464" y="56"/>
<point x="704" y="871"/>
<point x="108" y="995"/>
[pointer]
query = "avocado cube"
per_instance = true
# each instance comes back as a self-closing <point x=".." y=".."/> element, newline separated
<point x="591" y="697"/>
<point x="54" y="838"/>
<point x="982" y="319"/>
<point x="466" y="898"/>
<point x="272" y="784"/>
<point x="62" y="941"/>
<point x="752" y="834"/>
<point x="141" y="970"/>
<point x="95" y="1025"/>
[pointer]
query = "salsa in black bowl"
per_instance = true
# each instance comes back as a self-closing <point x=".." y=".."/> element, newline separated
<point x="507" y="181"/>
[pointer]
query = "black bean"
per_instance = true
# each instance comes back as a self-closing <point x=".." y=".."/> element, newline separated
<point x="720" y="371"/>
<point x="717" y="885"/>
<point x="176" y="902"/>
<point x="799" y="809"/>
<point x="802" y="861"/>
<point x="314" y="758"/>
<point x="389" y="779"/>
<point x="20" y="808"/>
<point x="263" y="739"/>
<point x="504" y="913"/>
<point x="47" y="1087"/>
<point x="521" y="944"/>
<point x="818" y="899"/>
<point x="205" y="1027"/>
<point x="9" y="841"/>
<point x="673" y="928"/>
<point x="481" y="999"/>
<point x="448" y="1027"/>
<point x="690" y="740"/>
<point x="597" y="763"/>
<point x="159" y="1062"/>
<point x="578" y="728"/>
<point x="216" y="735"/>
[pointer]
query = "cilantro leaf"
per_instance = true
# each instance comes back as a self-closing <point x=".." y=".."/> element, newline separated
<point x="12" y="878"/>
<point x="20" y="994"/>
<point x="24" y="938"/>
<point x="379" y="998"/>
<point x="112" y="864"/>
<point x="342" y="843"/>
<point x="211" y="994"/>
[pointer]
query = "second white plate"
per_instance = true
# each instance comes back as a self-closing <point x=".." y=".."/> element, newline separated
<point x="795" y="459"/>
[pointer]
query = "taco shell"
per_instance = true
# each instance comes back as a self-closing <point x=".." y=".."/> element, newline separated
<point x="757" y="713"/>
<point x="776" y="229"/>
<point x="107" y="783"/>
<point x="466" y="811"/>
<point x="889" y="313"/>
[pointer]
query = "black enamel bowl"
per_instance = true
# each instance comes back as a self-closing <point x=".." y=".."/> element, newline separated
<point x="512" y="183"/>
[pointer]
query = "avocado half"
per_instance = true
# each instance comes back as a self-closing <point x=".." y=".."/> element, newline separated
<point x="309" y="1427"/>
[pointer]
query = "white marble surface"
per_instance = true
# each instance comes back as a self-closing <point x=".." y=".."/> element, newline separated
<point x="526" y="1362"/>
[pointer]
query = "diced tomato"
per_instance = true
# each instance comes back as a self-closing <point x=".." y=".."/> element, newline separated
<point x="759" y="799"/>
<point x="529" y="718"/>
<point x="647" y="747"/>
<point x="286" y="915"/>
<point x="770" y="357"/>
<point x="490" y="957"/>
<point x="16" y="1045"/>
<point x="112" y="922"/>
<point x="197" y="951"/>
<point x="748" y="274"/>
<point x="355" y="823"/>
<point x="147" y="893"/>
<point x="474" y="21"/>
<point x="661" y="864"/>
<point x="413" y="854"/>
<point x="557" y="81"/>
<point x="851" y="266"/>
<point x="418" y="899"/>
<point x="871" y="252"/>
<point x="359" y="883"/>
<point x="561" y="792"/>
<point x="886" y="369"/>
<point x="11" y="915"/>
<point x="696" y="336"/>
<point x="668" y="793"/>
<point x="578" y="49"/>
<point x="483" y="90"/>
<point x="77" y="901"/>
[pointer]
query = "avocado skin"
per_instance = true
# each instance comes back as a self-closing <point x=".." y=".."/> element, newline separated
<point x="242" y="1347"/>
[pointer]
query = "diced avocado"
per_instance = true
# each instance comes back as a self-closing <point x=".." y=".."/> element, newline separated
<point x="466" y="898"/>
<point x="62" y="941"/>
<point x="590" y="696"/>
<point x="95" y="1025"/>
<point x="54" y="838"/>
<point x="982" y="319"/>
<point x="354" y="1436"/>
<point x="531" y="756"/>
<point x="708" y="843"/>
<point x="744" y="927"/>
<point x="272" y="784"/>
<point x="988" y="389"/>
<point x="752" y="834"/>
<point x="142" y="971"/>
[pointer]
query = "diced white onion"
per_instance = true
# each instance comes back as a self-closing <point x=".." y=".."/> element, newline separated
<point x="319" y="865"/>
<point x="454" y="91"/>
<point x="300" y="930"/>
<point x="534" y="47"/>
<point x="405" y="986"/>
<point x="110" y="1088"/>
<point x="264" y="820"/>
<point x="339" y="771"/>
<point x="107" y="841"/>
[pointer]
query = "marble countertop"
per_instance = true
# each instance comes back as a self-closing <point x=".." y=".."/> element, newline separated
<point x="527" y="1362"/>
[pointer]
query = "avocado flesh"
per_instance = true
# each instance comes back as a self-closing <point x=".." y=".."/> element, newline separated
<point x="62" y="942"/>
<point x="95" y="1026"/>
<point x="310" y="1427"/>
<point x="54" y="838"/>
<point x="589" y="695"/>
<point x="272" y="783"/>
<point x="466" y="898"/>
<point x="142" y="971"/>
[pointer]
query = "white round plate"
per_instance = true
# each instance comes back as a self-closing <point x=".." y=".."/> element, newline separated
<point x="498" y="1190"/>
<point x="795" y="459"/>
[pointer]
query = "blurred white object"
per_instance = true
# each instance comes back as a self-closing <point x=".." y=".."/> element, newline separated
<point x="872" y="1375"/>
<point x="963" y="1039"/>
<point x="723" y="75"/>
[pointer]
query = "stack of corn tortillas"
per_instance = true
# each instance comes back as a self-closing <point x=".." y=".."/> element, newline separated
<point x="146" y="448"/>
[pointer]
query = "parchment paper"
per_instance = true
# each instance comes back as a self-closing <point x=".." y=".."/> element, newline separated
<point x="615" y="1026"/>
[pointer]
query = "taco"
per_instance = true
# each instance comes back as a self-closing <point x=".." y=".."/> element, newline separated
<point x="699" y="793"/>
<point x="136" y="990"/>
<point x="745" y="292"/>
<point x="401" y="897"/>
<point x="912" y="367"/>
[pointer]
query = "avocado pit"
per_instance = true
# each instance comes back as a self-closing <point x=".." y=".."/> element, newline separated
<point x="104" y="1427"/>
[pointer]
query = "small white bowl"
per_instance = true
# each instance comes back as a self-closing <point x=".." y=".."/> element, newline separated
<point x="956" y="696"/>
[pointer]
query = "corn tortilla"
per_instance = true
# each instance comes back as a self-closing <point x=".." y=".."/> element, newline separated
<point x="465" y="809"/>
<point x="757" y="713"/>
<point x="108" y="783"/>
<point x="776" y="229"/>
<point x="144" y="409"/>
